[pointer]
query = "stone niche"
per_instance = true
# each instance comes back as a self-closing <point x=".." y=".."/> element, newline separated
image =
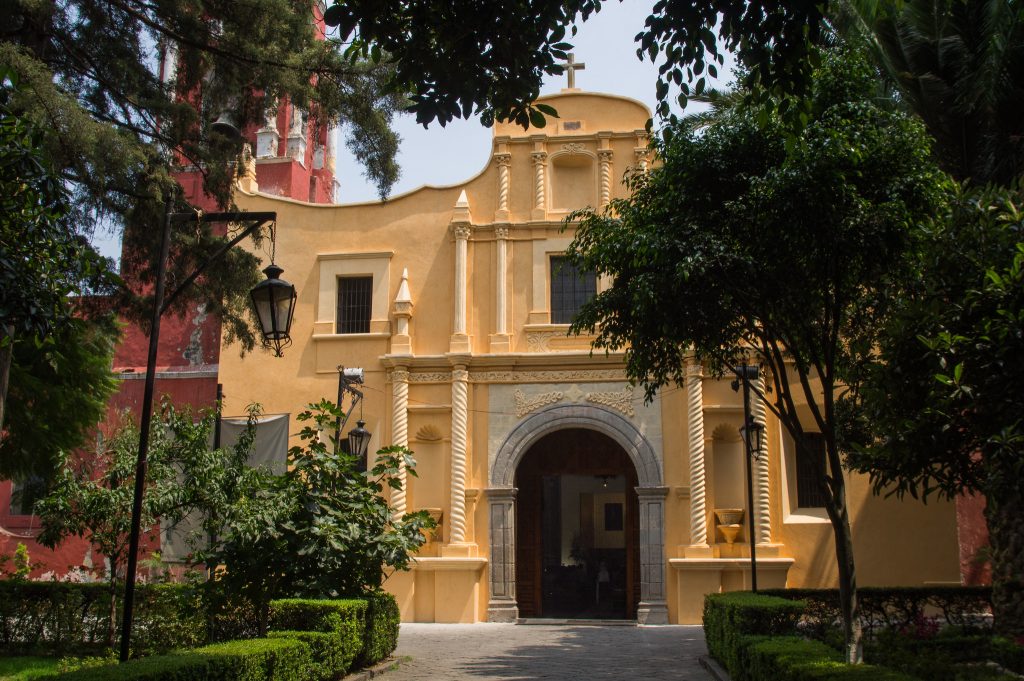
<point x="573" y="181"/>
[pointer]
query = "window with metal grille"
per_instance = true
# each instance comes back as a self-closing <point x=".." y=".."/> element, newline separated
<point x="570" y="288"/>
<point x="810" y="492"/>
<point x="354" y="304"/>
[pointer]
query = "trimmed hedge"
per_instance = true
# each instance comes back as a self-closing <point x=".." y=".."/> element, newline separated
<point x="382" y="623"/>
<point x="66" y="618"/>
<point x="345" y="621"/>
<point x="790" y="658"/>
<point x="730" y="616"/>
<point x="277" y="659"/>
<point x="330" y="657"/>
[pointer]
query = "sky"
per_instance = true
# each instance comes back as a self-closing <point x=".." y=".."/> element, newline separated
<point x="449" y="155"/>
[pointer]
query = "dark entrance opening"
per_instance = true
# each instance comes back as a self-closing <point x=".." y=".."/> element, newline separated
<point x="577" y="524"/>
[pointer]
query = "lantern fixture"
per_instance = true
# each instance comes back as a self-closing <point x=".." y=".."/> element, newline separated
<point x="359" y="443"/>
<point x="751" y="434"/>
<point x="274" y="302"/>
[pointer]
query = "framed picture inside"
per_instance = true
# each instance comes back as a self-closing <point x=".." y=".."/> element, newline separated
<point x="613" y="517"/>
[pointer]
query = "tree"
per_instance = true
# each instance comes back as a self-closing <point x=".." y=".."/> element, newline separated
<point x="957" y="64"/>
<point x="54" y="365"/>
<point x="321" y="529"/>
<point x="93" y="494"/>
<point x="781" y="246"/>
<point x="942" y="411"/>
<point x="462" y="57"/>
<point x="128" y="90"/>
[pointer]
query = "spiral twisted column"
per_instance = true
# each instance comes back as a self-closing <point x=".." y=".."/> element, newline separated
<point x="698" y="481"/>
<point x="504" y="169"/>
<point x="399" y="434"/>
<point x="605" y="156"/>
<point x="763" y="501"/>
<point x="540" y="164"/>
<point x="460" y="420"/>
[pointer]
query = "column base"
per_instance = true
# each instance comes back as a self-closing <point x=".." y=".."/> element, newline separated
<point x="459" y="343"/>
<point x="500" y="343"/>
<point x="502" y="611"/>
<point x="462" y="550"/>
<point x="652" y="612"/>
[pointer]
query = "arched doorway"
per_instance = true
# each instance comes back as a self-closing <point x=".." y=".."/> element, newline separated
<point x="502" y="503"/>
<point x="577" y="525"/>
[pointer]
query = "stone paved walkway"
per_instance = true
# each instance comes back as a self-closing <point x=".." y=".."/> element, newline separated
<point x="509" y="652"/>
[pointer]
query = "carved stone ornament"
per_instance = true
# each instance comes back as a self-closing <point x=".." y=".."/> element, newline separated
<point x="620" y="400"/>
<point x="504" y="159"/>
<point x="429" y="433"/>
<point x="524" y="404"/>
<point x="501" y="232"/>
<point x="573" y="148"/>
<point x="539" y="341"/>
<point x="431" y="377"/>
<point x="539" y="156"/>
<point x="461" y="231"/>
<point x="571" y="376"/>
<point x="398" y="375"/>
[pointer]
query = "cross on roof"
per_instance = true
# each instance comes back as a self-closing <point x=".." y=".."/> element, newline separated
<point x="571" y="67"/>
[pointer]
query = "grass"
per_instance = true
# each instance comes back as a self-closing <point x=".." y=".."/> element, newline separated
<point x="25" y="668"/>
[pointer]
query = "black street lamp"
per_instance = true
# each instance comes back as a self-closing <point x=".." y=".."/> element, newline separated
<point x="274" y="301"/>
<point x="359" y="443"/>
<point x="275" y="321"/>
<point x="750" y="432"/>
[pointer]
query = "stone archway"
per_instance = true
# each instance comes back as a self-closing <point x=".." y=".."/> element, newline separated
<point x="502" y="493"/>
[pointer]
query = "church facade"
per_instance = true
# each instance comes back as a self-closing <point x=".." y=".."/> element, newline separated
<point x="558" y="491"/>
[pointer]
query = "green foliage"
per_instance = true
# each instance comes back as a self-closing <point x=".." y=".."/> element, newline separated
<point x="784" y="248"/>
<point x="732" y="615"/>
<point x="22" y="562"/>
<point x="335" y="630"/>
<point x="67" y="618"/>
<point x="321" y="529"/>
<point x="59" y="387"/>
<point x="382" y="624"/>
<point x="892" y="608"/>
<point x="278" y="659"/>
<point x="956" y="65"/>
<point x="461" y="57"/>
<point x="789" y="658"/>
<point x="942" y="411"/>
<point x="54" y="366"/>
<point x="26" y="668"/>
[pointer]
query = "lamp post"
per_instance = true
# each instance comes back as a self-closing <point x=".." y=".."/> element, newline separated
<point x="750" y="433"/>
<point x="274" y="307"/>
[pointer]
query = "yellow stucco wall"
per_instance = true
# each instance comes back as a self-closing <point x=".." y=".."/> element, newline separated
<point x="896" y="542"/>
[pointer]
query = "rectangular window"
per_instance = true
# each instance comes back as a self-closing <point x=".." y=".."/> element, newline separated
<point x="570" y="288"/>
<point x="355" y="295"/>
<point x="24" y="495"/>
<point x="810" y="492"/>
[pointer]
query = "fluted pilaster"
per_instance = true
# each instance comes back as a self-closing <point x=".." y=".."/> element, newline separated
<point x="460" y="420"/>
<point x="461" y="250"/>
<point x="501" y="301"/>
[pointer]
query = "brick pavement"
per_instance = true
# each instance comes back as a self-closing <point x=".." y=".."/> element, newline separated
<point x="509" y="652"/>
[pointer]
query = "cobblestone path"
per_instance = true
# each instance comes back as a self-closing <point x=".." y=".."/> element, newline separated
<point x="509" y="652"/>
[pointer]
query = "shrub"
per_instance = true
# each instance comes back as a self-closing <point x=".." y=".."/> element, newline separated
<point x="899" y="608"/>
<point x="346" y="619"/>
<point x="64" y="618"/>
<point x="331" y="657"/>
<point x="729" y="616"/>
<point x="790" y="658"/>
<point x="382" y="623"/>
<point x="280" y="659"/>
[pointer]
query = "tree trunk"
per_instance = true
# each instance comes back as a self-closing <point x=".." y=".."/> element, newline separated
<point x="840" y="516"/>
<point x="1003" y="512"/>
<point x="112" y="625"/>
<point x="6" y="353"/>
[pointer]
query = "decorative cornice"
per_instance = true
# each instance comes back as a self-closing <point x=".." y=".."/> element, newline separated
<point x="542" y="376"/>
